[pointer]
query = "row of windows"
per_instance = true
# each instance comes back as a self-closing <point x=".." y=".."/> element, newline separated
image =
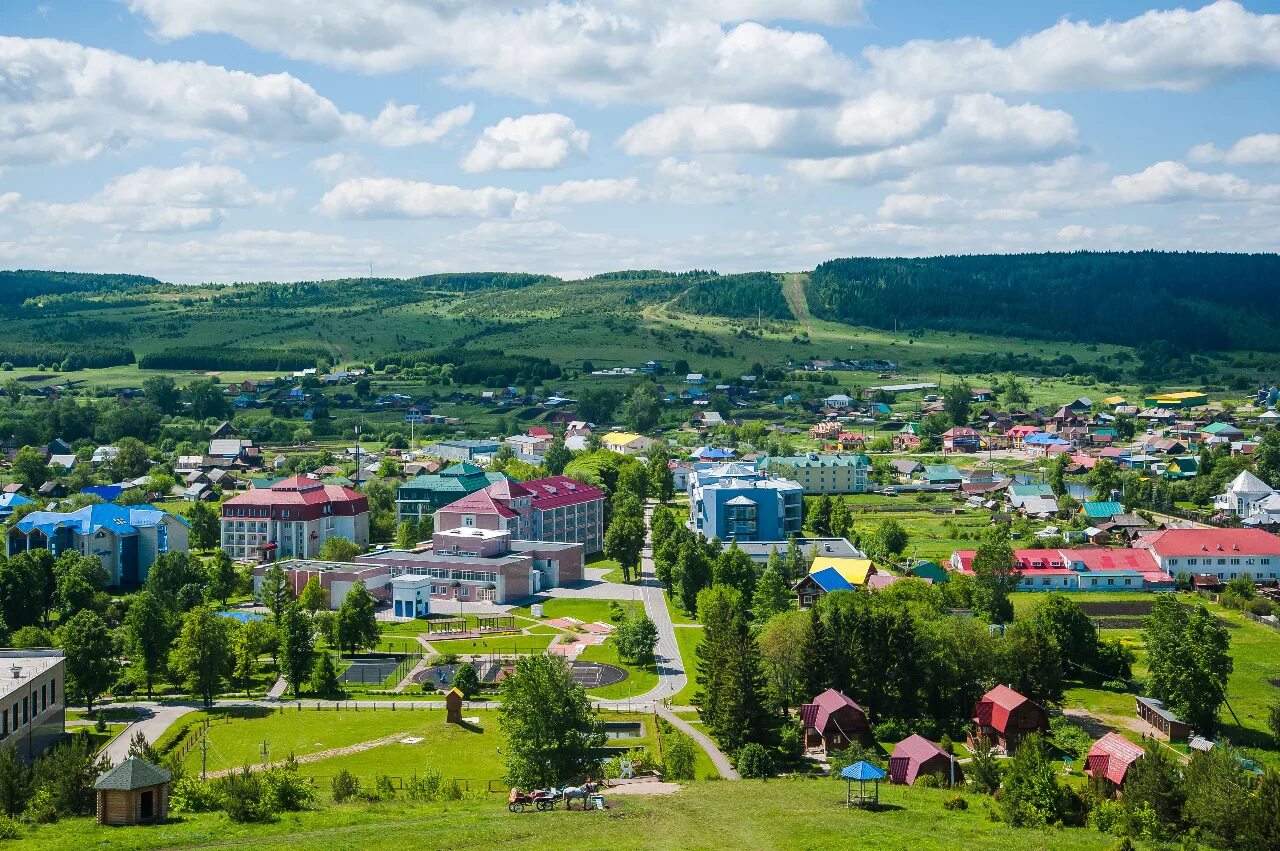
<point x="31" y="705"/>
<point x="1192" y="562"/>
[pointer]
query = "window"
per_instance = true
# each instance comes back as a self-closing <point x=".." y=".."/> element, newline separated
<point x="26" y="711"/>
<point x="1190" y="562"/>
<point x="4" y="725"/>
<point x="44" y="697"/>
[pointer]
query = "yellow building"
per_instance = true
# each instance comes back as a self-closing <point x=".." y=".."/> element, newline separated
<point x="626" y="443"/>
<point x="855" y="571"/>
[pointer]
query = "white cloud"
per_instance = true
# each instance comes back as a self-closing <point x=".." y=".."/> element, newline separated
<point x="1259" y="149"/>
<point x="1175" y="49"/>
<point x="543" y="141"/>
<point x="399" y="126"/>
<point x="247" y="255"/>
<point x="8" y="200"/>
<point x="592" y="50"/>
<point x="695" y="182"/>
<point x="339" y="165"/>
<point x="62" y="102"/>
<point x="882" y="119"/>
<point x="979" y="129"/>
<point x="737" y="127"/>
<point x="597" y="191"/>
<point x="1166" y="182"/>
<point x="395" y="198"/>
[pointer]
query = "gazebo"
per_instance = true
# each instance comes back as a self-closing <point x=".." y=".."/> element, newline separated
<point x="862" y="772"/>
<point x="133" y="792"/>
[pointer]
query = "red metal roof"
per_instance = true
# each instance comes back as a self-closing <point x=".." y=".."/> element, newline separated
<point x="995" y="707"/>
<point x="1212" y="542"/>
<point x="1111" y="757"/>
<point x="827" y="704"/>
<point x="480" y="502"/>
<point x="539" y="431"/>
<point x="557" y="491"/>
<point x="302" y="492"/>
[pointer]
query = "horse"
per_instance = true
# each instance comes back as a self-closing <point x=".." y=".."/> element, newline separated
<point x="570" y="793"/>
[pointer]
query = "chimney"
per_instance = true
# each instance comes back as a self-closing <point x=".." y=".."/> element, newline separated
<point x="16" y="671"/>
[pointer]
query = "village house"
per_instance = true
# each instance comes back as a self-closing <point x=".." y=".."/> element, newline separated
<point x="556" y="508"/>
<point x="127" y="539"/>
<point x="464" y="450"/>
<point x="915" y="757"/>
<point x="1088" y="569"/>
<point x="626" y="443"/>
<point x="1164" y="722"/>
<point x="292" y="519"/>
<point x="832" y="573"/>
<point x="1110" y="757"/>
<point x="1004" y="718"/>
<point x="133" y="792"/>
<point x="832" y="721"/>
<point x="961" y="439"/>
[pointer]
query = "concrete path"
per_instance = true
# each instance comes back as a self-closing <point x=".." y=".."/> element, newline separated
<point x="153" y="719"/>
<point x="718" y="759"/>
<point x="277" y="689"/>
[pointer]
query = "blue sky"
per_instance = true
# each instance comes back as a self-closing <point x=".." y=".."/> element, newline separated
<point x="223" y="140"/>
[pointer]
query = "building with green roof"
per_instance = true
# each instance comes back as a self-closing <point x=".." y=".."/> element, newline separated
<point x="421" y="496"/>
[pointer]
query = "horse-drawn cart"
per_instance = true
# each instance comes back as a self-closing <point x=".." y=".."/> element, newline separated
<point x="539" y="799"/>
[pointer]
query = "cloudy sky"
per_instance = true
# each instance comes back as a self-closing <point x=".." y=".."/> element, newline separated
<point x="225" y="140"/>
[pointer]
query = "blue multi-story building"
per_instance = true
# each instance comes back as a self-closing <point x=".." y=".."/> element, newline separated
<point x="126" y="538"/>
<point x="737" y="501"/>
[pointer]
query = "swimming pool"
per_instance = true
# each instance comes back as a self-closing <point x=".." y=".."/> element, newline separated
<point x="243" y="617"/>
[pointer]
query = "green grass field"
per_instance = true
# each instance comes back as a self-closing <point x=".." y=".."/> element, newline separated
<point x="795" y="814"/>
<point x="688" y="640"/>
<point x="588" y="611"/>
<point x="512" y="645"/>
<point x="639" y="678"/>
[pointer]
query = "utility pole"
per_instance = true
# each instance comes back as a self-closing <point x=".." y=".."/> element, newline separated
<point x="204" y="756"/>
<point x="357" y="456"/>
<point x="265" y="751"/>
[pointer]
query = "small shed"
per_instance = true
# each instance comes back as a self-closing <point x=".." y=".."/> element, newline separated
<point x="915" y="757"/>
<point x="134" y="792"/>
<point x="1167" y="725"/>
<point x="453" y="706"/>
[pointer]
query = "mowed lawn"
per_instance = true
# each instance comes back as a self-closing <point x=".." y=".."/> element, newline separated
<point x="688" y="638"/>
<point x="779" y="814"/>
<point x="588" y="611"/>
<point x="239" y="742"/>
<point x="639" y="678"/>
<point x="509" y="645"/>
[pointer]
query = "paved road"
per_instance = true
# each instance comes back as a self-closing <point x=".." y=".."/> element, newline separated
<point x="718" y="759"/>
<point x="154" y="719"/>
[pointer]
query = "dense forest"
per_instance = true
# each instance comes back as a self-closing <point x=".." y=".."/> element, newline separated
<point x="234" y="358"/>
<point x="1197" y="301"/>
<point x="477" y="366"/>
<point x="21" y="284"/>
<point x="752" y="294"/>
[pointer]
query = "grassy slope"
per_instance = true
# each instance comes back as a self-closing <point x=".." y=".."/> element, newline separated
<point x="750" y="814"/>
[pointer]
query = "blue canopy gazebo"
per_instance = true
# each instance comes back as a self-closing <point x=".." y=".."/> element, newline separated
<point x="862" y="772"/>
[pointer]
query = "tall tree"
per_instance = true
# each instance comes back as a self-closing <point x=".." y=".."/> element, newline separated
<point x="551" y="730"/>
<point x="731" y="685"/>
<point x="250" y="642"/>
<point x="995" y="576"/>
<point x="820" y="515"/>
<point x="357" y="620"/>
<point x="557" y="457"/>
<point x="957" y="400"/>
<point x="163" y="393"/>
<point x="1104" y="478"/>
<point x="772" y="594"/>
<point x="734" y="568"/>
<point x="90" y="658"/>
<point x="222" y="577"/>
<point x="313" y="598"/>
<point x="21" y="591"/>
<point x="1189" y="661"/>
<point x="202" y="657"/>
<point x="148" y="633"/>
<point x="623" y="542"/>
<point x="662" y="483"/>
<point x="297" y="647"/>
<point x="274" y="592"/>
<point x="29" y="468"/>
<point x="1266" y="458"/>
<point x="692" y="574"/>
<point x="338" y="548"/>
<point x="783" y="640"/>
<point x="206" y="530"/>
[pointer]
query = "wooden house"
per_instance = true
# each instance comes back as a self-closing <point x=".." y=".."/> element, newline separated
<point x="1167" y="725"/>
<point x="1004" y="718"/>
<point x="915" y="757"/>
<point x="832" y="721"/>
<point x="1110" y="757"/>
<point x="134" y="792"/>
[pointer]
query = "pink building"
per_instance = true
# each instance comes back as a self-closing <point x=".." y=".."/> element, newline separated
<point x="337" y="578"/>
<point x="556" y="509"/>
<point x="292" y="519"/>
<point x="479" y="565"/>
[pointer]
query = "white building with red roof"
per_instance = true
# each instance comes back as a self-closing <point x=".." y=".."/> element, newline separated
<point x="292" y="519"/>
<point x="1222" y="553"/>
<point x="556" y="508"/>
<point x="1083" y="569"/>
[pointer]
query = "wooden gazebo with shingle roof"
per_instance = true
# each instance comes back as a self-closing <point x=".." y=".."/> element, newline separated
<point x="134" y="792"/>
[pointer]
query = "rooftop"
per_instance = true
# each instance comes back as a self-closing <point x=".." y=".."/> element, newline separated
<point x="30" y="664"/>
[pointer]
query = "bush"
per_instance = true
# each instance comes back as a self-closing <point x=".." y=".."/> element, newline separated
<point x="1260" y="607"/>
<point x="680" y="757"/>
<point x="9" y="829"/>
<point x="345" y="786"/>
<point x="189" y="795"/>
<point x="385" y="788"/>
<point x="755" y="761"/>
<point x="244" y="797"/>
<point x="891" y="730"/>
<point x="423" y="788"/>
<point x="955" y="802"/>
<point x="450" y="790"/>
<point x="41" y="809"/>
<point x="1070" y="738"/>
<point x="285" y="789"/>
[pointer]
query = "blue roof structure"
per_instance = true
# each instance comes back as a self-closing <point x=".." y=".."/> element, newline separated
<point x="10" y="501"/>
<point x="120" y="519"/>
<point x="1043" y="438"/>
<point x="108" y="493"/>
<point x="862" y="771"/>
<point x="711" y="453"/>
<point x="830" y="580"/>
<point x="1102" y="509"/>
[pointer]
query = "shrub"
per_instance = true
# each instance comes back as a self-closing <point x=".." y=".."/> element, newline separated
<point x="1069" y="737"/>
<point x="754" y="760"/>
<point x="41" y="809"/>
<point x="450" y="790"/>
<point x="9" y="829"/>
<point x="955" y="802"/>
<point x="423" y="788"/>
<point x="285" y="789"/>
<point x="189" y="795"/>
<point x="931" y="781"/>
<point x="680" y="758"/>
<point x="345" y="786"/>
<point x="791" y="740"/>
<point x="1260" y="607"/>
<point x="385" y="788"/>
<point x="244" y="797"/>
<point x="891" y="730"/>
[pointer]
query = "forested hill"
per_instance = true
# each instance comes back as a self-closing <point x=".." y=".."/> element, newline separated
<point x="21" y="284"/>
<point x="1195" y="301"/>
